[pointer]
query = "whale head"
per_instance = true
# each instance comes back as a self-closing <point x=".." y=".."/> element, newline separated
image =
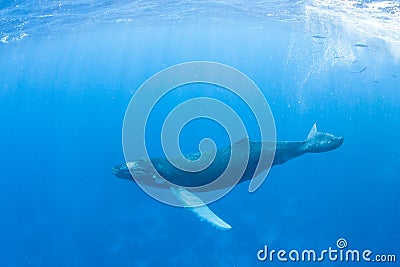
<point x="139" y="171"/>
<point x="122" y="171"/>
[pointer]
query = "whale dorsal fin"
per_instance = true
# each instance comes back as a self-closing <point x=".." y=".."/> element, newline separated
<point x="244" y="140"/>
<point x="198" y="207"/>
<point x="312" y="132"/>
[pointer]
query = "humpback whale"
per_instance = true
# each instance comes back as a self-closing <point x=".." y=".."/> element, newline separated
<point x="316" y="142"/>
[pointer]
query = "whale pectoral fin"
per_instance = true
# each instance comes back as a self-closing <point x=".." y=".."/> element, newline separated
<point x="312" y="132"/>
<point x="196" y="205"/>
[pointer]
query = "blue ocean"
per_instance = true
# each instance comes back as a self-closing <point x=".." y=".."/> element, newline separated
<point x="69" y="70"/>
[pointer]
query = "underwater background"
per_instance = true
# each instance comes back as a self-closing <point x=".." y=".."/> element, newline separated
<point x="68" y="70"/>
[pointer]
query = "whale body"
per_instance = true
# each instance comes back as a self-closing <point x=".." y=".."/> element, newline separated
<point x="142" y="169"/>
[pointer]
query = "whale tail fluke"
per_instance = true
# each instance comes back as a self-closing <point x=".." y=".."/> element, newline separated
<point x="318" y="142"/>
<point x="312" y="132"/>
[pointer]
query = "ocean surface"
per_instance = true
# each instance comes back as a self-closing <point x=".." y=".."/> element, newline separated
<point x="68" y="70"/>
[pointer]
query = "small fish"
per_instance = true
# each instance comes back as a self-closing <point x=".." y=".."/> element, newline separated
<point x="375" y="81"/>
<point x="4" y="39"/>
<point x="394" y="76"/>
<point x="361" y="71"/>
<point x="318" y="37"/>
<point x="361" y="45"/>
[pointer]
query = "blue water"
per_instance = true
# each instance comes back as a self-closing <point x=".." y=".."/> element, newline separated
<point x="68" y="70"/>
